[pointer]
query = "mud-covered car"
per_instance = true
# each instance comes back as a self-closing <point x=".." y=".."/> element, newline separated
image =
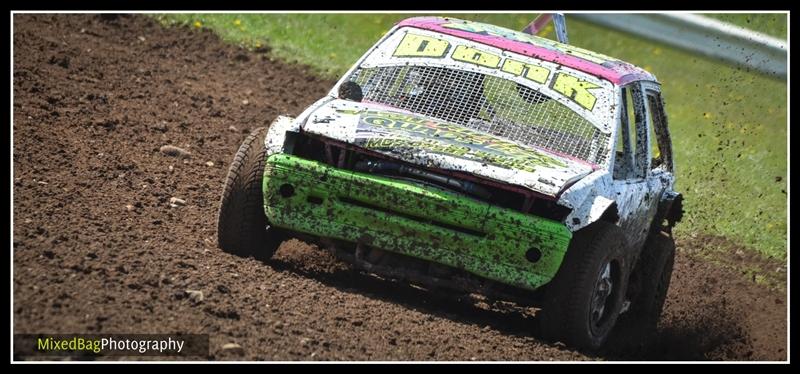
<point x="468" y="157"/>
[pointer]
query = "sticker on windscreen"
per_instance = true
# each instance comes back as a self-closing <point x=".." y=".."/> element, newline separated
<point x="402" y="133"/>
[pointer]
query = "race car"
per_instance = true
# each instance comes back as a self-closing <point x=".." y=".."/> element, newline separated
<point x="469" y="158"/>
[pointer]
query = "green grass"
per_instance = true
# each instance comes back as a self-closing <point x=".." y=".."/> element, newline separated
<point x="728" y="124"/>
<point x="773" y="24"/>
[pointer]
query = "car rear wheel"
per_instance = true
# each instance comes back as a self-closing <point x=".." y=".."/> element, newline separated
<point x="242" y="226"/>
<point x="584" y="299"/>
<point x="648" y="292"/>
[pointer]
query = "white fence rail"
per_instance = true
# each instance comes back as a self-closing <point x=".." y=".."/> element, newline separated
<point x="704" y="36"/>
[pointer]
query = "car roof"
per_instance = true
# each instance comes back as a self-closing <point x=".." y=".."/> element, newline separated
<point x="593" y="63"/>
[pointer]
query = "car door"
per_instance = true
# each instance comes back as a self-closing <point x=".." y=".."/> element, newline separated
<point x="661" y="175"/>
<point x="634" y="183"/>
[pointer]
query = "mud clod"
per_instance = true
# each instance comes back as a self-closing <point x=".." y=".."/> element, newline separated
<point x="195" y="296"/>
<point x="233" y="348"/>
<point x="60" y="60"/>
<point x="176" y="202"/>
<point x="171" y="150"/>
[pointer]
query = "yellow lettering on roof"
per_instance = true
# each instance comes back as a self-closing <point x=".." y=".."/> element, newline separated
<point x="575" y="89"/>
<point x="414" y="45"/>
<point x="475" y="56"/>
<point x="535" y="73"/>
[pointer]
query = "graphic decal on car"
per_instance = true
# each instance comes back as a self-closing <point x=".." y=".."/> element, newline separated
<point x="393" y="131"/>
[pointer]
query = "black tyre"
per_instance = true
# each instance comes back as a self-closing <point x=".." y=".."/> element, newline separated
<point x="649" y="284"/>
<point x="242" y="226"/>
<point x="584" y="299"/>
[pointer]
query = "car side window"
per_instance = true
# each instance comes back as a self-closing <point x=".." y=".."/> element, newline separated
<point x="661" y="145"/>
<point x="623" y="156"/>
<point x="631" y="160"/>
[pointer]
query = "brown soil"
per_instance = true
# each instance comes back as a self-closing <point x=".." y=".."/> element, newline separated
<point x="97" y="247"/>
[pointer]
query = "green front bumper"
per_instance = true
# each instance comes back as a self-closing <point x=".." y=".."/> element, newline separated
<point x="424" y="222"/>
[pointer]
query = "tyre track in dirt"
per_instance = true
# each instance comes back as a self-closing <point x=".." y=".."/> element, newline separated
<point x="97" y="247"/>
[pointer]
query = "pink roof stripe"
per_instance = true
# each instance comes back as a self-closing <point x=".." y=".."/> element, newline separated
<point x="618" y="72"/>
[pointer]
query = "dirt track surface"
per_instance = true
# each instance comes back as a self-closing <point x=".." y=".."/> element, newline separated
<point x="98" y="249"/>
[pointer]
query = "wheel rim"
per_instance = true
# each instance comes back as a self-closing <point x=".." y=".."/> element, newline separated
<point x="603" y="288"/>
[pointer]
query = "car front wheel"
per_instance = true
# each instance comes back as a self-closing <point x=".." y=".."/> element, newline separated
<point x="585" y="297"/>
<point x="242" y="226"/>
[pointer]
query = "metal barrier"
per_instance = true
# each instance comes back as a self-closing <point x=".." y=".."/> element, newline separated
<point x="702" y="35"/>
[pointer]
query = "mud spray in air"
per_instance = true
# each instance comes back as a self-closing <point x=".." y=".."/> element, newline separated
<point x="116" y="233"/>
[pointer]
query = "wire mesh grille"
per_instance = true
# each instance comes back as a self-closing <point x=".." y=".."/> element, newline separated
<point x="485" y="103"/>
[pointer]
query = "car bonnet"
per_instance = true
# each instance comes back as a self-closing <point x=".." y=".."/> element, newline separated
<point x="429" y="142"/>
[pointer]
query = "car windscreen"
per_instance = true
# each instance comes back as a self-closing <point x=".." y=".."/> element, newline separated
<point x="484" y="87"/>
